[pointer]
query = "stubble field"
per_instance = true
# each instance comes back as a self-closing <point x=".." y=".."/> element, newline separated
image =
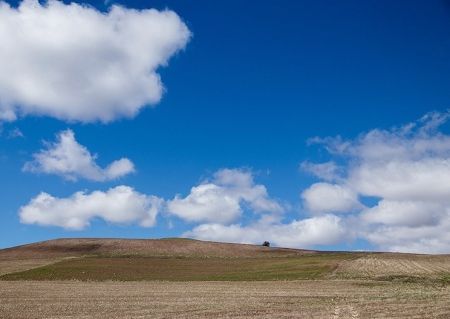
<point x="279" y="299"/>
<point x="173" y="278"/>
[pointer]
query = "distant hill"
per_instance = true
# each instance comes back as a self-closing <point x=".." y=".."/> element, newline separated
<point x="170" y="247"/>
<point x="177" y="259"/>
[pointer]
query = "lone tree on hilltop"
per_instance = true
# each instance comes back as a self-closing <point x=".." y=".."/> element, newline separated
<point x="266" y="244"/>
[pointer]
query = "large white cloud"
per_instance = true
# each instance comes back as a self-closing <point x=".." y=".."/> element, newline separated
<point x="222" y="199"/>
<point x="306" y="233"/>
<point x="118" y="205"/>
<point x="427" y="239"/>
<point x="406" y="213"/>
<point x="69" y="159"/>
<point x="72" y="62"/>
<point x="330" y="198"/>
<point x="407" y="169"/>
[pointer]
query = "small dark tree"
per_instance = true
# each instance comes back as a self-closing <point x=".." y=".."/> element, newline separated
<point x="266" y="244"/>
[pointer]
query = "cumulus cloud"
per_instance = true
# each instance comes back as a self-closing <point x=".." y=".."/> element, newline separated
<point x="405" y="213"/>
<point x="218" y="205"/>
<point x="407" y="169"/>
<point x="310" y="232"/>
<point x="118" y="205"/>
<point x="329" y="198"/>
<point x="222" y="199"/>
<point x="75" y="63"/>
<point x="420" y="239"/>
<point x="67" y="158"/>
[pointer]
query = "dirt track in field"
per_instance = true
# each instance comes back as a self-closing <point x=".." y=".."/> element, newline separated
<point x="281" y="299"/>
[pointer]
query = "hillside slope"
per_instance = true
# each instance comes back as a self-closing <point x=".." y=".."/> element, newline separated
<point x="138" y="255"/>
<point x="187" y="260"/>
<point x="171" y="247"/>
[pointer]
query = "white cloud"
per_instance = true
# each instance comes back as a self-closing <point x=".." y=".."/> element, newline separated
<point x="67" y="158"/>
<point x="118" y="205"/>
<point x="329" y="198"/>
<point x="206" y="202"/>
<point x="327" y="171"/>
<point x="306" y="233"/>
<point x="406" y="213"/>
<point x="72" y="62"/>
<point x="408" y="170"/>
<point x="221" y="200"/>
<point x="426" y="178"/>
<point x="419" y="239"/>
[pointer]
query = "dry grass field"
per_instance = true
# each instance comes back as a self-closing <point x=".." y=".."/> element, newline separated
<point x="180" y="278"/>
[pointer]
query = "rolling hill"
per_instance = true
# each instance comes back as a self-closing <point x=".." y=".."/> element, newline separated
<point x="178" y="259"/>
<point x="174" y="247"/>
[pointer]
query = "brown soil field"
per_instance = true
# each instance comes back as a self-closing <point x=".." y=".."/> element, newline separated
<point x="281" y="299"/>
<point x="181" y="278"/>
<point x="385" y="265"/>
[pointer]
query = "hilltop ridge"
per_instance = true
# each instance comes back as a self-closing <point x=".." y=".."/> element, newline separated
<point x="174" y="247"/>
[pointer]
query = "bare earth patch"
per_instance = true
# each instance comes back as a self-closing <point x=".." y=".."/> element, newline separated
<point x="280" y="299"/>
<point x="384" y="265"/>
<point x="13" y="265"/>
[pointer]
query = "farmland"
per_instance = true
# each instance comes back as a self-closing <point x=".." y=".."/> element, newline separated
<point x="261" y="299"/>
<point x="192" y="279"/>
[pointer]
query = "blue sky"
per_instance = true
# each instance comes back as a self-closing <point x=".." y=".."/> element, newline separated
<point x="246" y="91"/>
